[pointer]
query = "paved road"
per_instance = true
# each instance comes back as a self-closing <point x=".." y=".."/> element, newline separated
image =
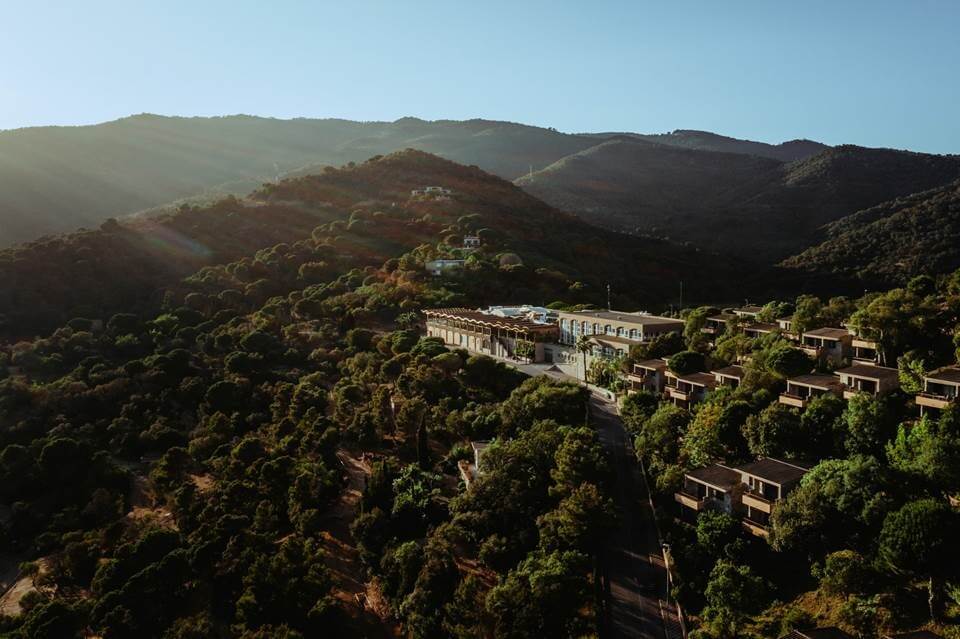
<point x="635" y="570"/>
<point x="633" y="563"/>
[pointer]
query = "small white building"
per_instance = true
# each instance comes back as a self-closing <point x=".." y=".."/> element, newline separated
<point x="471" y="242"/>
<point x="430" y="190"/>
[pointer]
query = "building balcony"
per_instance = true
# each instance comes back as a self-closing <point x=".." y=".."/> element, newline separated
<point x="931" y="400"/>
<point x="757" y="502"/>
<point x="812" y="351"/>
<point x="755" y="528"/>
<point x="859" y="342"/>
<point x="792" y="399"/>
<point x="689" y="501"/>
<point x="677" y="393"/>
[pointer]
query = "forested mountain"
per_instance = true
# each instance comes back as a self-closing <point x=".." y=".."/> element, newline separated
<point x="227" y="422"/>
<point x="891" y="242"/>
<point x="631" y="184"/>
<point x="745" y="205"/>
<point x="56" y="179"/>
<point x="127" y="266"/>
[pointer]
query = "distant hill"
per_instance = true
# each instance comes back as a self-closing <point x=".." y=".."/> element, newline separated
<point x="57" y="179"/>
<point x="889" y="243"/>
<point x="630" y="184"/>
<point x="706" y="141"/>
<point x="127" y="266"/>
<point x="753" y="207"/>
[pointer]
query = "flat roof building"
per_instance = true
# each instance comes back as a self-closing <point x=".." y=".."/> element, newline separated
<point x="729" y="375"/>
<point x="826" y="344"/>
<point x="802" y="388"/>
<point x="940" y="389"/>
<point x="866" y="378"/>
<point x="648" y="375"/>
<point x="713" y="487"/>
<point x="689" y="389"/>
<point x="767" y="480"/>
<point x="748" y="311"/>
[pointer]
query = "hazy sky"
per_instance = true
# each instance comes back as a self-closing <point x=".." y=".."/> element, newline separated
<point x="877" y="73"/>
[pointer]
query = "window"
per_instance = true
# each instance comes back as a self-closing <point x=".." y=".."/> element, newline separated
<point x="633" y="333"/>
<point x="608" y="330"/>
<point x="619" y="331"/>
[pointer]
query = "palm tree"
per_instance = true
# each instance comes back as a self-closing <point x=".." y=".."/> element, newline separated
<point x="583" y="347"/>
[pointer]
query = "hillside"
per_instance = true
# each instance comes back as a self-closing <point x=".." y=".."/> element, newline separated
<point x="630" y="184"/>
<point x="58" y="179"/>
<point x="748" y="206"/>
<point x="889" y="243"/>
<point x="706" y="141"/>
<point x="128" y="266"/>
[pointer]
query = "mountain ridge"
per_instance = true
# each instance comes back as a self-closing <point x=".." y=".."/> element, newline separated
<point x="762" y="209"/>
<point x="53" y="280"/>
<point x="60" y="178"/>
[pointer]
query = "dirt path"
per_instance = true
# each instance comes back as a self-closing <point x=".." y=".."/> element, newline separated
<point x="19" y="586"/>
<point x="372" y="612"/>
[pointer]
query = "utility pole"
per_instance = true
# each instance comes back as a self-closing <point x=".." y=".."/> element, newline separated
<point x="681" y="295"/>
<point x="608" y="297"/>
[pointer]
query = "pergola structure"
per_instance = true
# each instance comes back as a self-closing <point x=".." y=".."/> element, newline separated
<point x="466" y="319"/>
<point x="484" y="333"/>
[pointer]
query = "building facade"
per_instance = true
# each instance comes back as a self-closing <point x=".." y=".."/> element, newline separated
<point x="612" y="333"/>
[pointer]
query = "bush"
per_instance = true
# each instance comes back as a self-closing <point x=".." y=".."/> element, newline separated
<point x="686" y="362"/>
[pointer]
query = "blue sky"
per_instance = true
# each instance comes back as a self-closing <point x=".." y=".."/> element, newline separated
<point x="875" y="73"/>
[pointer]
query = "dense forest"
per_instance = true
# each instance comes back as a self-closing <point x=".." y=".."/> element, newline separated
<point x="887" y="244"/>
<point x="275" y="451"/>
<point x="129" y="266"/>
<point x="248" y="435"/>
